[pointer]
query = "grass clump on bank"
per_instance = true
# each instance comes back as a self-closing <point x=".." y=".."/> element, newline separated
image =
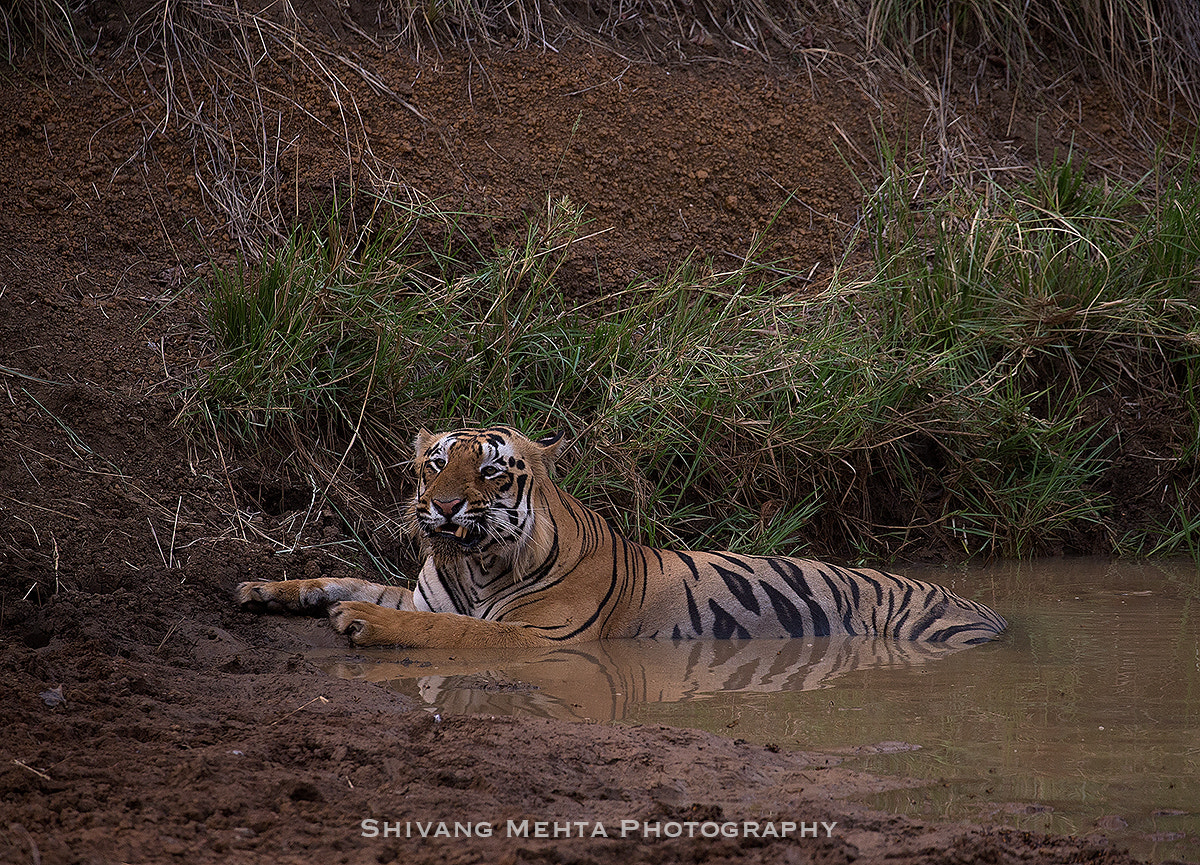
<point x="988" y="387"/>
<point x="1132" y="45"/>
<point x="1067" y="313"/>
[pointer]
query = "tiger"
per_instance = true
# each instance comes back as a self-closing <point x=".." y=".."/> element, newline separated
<point x="511" y="560"/>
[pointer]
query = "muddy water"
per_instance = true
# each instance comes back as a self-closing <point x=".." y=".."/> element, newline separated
<point x="1084" y="719"/>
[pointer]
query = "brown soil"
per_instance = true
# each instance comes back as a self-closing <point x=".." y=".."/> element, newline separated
<point x="190" y="731"/>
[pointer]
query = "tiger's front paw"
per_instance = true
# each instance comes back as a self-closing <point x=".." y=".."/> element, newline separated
<point x="363" y="623"/>
<point x="263" y="595"/>
<point x="278" y="595"/>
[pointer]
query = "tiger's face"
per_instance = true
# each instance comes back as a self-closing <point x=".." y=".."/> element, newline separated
<point x="474" y="489"/>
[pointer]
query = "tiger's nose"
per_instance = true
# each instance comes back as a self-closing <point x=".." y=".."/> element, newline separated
<point x="447" y="507"/>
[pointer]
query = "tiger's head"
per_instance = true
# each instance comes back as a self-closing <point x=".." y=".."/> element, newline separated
<point x="476" y="493"/>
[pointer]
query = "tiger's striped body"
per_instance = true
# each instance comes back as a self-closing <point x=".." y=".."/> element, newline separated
<point x="513" y="560"/>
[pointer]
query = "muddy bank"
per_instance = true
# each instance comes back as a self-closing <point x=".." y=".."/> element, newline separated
<point x="203" y="744"/>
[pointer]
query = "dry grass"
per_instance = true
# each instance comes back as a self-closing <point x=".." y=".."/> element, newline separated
<point x="47" y="25"/>
<point x="227" y="78"/>
<point x="1143" y="49"/>
<point x="215" y="71"/>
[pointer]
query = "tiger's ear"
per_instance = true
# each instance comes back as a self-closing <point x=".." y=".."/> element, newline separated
<point x="551" y="446"/>
<point x="422" y="442"/>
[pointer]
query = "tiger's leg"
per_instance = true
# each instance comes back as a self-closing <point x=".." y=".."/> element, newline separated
<point x="303" y="595"/>
<point x="372" y="625"/>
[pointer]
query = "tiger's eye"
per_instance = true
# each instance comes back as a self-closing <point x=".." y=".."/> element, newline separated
<point x="488" y="472"/>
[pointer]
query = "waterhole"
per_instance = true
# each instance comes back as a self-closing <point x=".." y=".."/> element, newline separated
<point x="1084" y="718"/>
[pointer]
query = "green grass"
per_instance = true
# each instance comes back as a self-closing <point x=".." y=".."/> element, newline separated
<point x="969" y="390"/>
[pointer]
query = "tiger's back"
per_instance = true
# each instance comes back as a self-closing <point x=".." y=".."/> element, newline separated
<point x="660" y="593"/>
<point x="773" y="596"/>
<point x="511" y="559"/>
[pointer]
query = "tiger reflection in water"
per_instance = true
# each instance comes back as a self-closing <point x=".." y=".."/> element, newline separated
<point x="607" y="680"/>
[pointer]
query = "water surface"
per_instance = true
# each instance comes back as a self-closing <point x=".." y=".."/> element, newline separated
<point x="1084" y="718"/>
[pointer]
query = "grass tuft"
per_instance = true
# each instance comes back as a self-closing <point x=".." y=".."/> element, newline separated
<point x="1145" y="50"/>
<point x="50" y="27"/>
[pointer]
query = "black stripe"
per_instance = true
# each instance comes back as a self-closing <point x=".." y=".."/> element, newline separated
<point x="889" y="610"/>
<point x="793" y="575"/>
<point x="735" y="560"/>
<point x="953" y="631"/>
<point x="456" y="598"/>
<point x="931" y="616"/>
<point x="691" y="564"/>
<point x="854" y="594"/>
<point x="904" y="608"/>
<point x="692" y="611"/>
<point x="592" y="528"/>
<point x="585" y="523"/>
<point x="623" y="575"/>
<point x="604" y="602"/>
<point x="871" y="581"/>
<point x="725" y="625"/>
<point x="598" y="527"/>
<point x="641" y="554"/>
<point x="532" y="582"/>
<point x="740" y="588"/>
<point x="839" y="596"/>
<point x="612" y="587"/>
<point x="788" y="615"/>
